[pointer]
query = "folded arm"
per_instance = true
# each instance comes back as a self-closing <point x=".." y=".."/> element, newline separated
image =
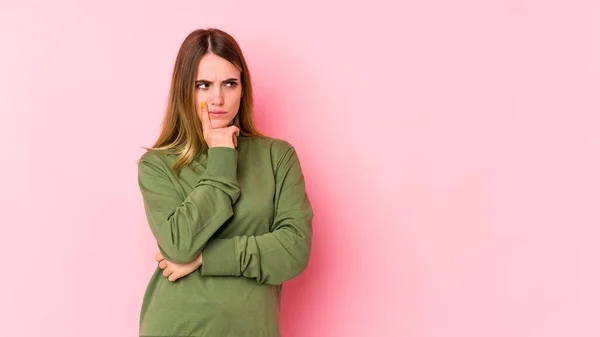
<point x="279" y="255"/>
<point x="183" y="226"/>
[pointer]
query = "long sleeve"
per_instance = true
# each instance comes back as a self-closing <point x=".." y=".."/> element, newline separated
<point x="279" y="255"/>
<point x="183" y="226"/>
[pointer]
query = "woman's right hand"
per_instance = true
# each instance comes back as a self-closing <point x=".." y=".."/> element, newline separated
<point x="226" y="136"/>
<point x="176" y="271"/>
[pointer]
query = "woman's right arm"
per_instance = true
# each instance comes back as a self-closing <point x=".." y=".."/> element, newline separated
<point x="182" y="227"/>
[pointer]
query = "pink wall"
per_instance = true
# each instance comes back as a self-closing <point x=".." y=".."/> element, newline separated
<point x="451" y="150"/>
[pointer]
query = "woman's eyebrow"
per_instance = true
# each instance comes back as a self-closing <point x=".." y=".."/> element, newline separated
<point x="227" y="80"/>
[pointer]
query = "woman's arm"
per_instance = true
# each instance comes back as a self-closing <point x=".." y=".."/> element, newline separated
<point x="182" y="227"/>
<point x="280" y="255"/>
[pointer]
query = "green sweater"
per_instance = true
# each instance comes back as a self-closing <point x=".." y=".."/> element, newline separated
<point x="247" y="211"/>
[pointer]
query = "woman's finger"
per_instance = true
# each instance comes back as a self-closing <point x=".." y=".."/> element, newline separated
<point x="235" y="132"/>
<point x="205" y="118"/>
<point x="167" y="272"/>
<point x="162" y="264"/>
<point x="158" y="257"/>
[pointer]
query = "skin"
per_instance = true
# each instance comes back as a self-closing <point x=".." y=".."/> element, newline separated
<point x="218" y="84"/>
<point x="175" y="271"/>
<point x="218" y="88"/>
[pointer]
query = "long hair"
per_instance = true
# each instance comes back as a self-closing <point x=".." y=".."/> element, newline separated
<point x="181" y="132"/>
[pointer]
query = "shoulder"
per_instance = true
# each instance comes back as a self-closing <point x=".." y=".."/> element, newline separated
<point x="280" y="146"/>
<point x="270" y="142"/>
<point x="151" y="157"/>
<point x="154" y="160"/>
<point x="277" y="147"/>
<point x="283" y="154"/>
<point x="279" y="150"/>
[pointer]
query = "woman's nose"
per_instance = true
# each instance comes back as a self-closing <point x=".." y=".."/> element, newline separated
<point x="218" y="97"/>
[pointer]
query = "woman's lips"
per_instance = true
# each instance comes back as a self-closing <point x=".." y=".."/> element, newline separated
<point x="217" y="113"/>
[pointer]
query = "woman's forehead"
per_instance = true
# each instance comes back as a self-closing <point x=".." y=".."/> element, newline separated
<point x="213" y="67"/>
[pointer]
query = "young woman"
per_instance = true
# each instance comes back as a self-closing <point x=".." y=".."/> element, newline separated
<point x="226" y="204"/>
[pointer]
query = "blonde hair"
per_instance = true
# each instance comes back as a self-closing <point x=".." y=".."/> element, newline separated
<point x="181" y="132"/>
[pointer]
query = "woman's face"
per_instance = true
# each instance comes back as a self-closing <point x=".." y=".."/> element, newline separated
<point x="218" y="83"/>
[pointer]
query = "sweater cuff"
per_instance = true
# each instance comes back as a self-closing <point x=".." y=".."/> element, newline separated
<point x="222" y="162"/>
<point x="219" y="258"/>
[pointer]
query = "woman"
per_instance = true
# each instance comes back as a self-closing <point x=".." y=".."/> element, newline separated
<point x="227" y="205"/>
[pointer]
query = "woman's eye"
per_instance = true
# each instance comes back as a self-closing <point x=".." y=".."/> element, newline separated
<point x="204" y="86"/>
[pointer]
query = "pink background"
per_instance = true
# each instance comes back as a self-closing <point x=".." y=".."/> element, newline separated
<point x="451" y="150"/>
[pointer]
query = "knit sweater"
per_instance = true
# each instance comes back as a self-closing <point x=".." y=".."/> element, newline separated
<point x="247" y="211"/>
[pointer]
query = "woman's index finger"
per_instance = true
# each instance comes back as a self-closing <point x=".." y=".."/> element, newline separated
<point x="205" y="117"/>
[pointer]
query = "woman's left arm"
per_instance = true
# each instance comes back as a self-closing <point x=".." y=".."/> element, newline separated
<point x="274" y="257"/>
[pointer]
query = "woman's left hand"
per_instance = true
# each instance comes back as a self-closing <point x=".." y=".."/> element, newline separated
<point x="174" y="270"/>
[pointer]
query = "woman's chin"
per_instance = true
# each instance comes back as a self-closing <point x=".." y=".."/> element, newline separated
<point x="217" y="124"/>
